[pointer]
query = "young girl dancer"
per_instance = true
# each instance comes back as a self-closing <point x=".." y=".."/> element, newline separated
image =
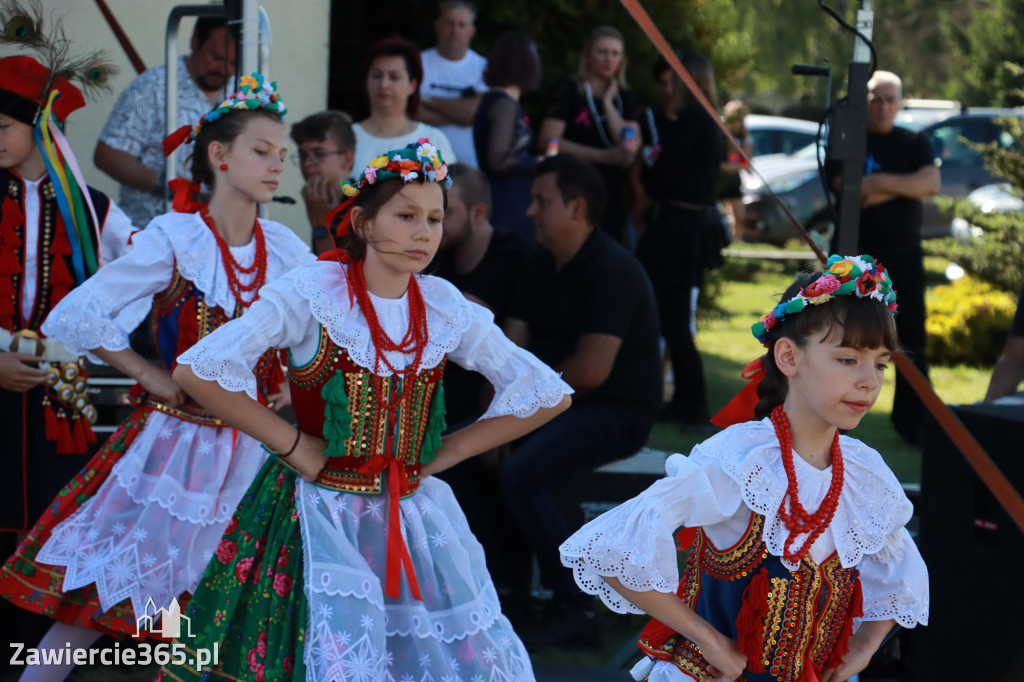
<point x="801" y="531"/>
<point x="142" y="520"/>
<point x="363" y="568"/>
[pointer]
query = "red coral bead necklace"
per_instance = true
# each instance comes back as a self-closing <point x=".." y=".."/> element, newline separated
<point x="798" y="521"/>
<point x="414" y="342"/>
<point x="232" y="267"/>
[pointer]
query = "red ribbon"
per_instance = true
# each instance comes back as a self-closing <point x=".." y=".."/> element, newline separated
<point x="185" y="196"/>
<point x="176" y="139"/>
<point x="398" y="551"/>
<point x="345" y="226"/>
<point x="741" y="408"/>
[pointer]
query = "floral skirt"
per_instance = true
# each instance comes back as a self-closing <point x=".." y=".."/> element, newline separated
<point x="316" y="608"/>
<point x="38" y="586"/>
<point x="136" y="528"/>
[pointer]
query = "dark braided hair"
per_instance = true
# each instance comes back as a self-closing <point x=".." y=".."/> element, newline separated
<point x="865" y="323"/>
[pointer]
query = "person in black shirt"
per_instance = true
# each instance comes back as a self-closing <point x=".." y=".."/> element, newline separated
<point x="1009" y="369"/>
<point x="501" y="132"/>
<point x="585" y="307"/>
<point x="899" y="171"/>
<point x="587" y="115"/>
<point x="679" y="182"/>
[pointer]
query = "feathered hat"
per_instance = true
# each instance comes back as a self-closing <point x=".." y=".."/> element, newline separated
<point x="40" y="93"/>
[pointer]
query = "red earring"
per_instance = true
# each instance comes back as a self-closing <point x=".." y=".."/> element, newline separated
<point x="223" y="166"/>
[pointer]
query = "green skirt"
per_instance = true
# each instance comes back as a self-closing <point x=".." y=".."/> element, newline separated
<point x="249" y="608"/>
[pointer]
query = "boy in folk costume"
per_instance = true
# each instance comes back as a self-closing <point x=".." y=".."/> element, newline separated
<point x="55" y="231"/>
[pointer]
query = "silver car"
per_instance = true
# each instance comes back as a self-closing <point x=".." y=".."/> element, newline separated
<point x="796" y="180"/>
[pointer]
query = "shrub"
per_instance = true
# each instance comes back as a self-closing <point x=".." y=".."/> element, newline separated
<point x="968" y="321"/>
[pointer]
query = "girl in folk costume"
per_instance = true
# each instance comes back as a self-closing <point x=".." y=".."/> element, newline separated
<point x="346" y="559"/>
<point x="135" y="529"/>
<point x="801" y="563"/>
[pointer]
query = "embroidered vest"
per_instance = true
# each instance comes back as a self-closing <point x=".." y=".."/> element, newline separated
<point x="53" y="255"/>
<point x="335" y="397"/>
<point x="791" y="624"/>
<point x="182" y="317"/>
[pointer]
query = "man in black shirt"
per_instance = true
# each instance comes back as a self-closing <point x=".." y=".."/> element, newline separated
<point x="585" y="307"/>
<point x="899" y="171"/>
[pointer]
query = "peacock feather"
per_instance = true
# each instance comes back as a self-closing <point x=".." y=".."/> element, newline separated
<point x="22" y="23"/>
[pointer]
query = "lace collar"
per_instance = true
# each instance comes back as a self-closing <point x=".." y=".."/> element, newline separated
<point x="324" y="284"/>
<point x="871" y="506"/>
<point x="193" y="244"/>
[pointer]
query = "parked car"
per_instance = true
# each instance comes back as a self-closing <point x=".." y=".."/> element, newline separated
<point x="795" y="178"/>
<point x="995" y="198"/>
<point x="915" y="114"/>
<point x="779" y="134"/>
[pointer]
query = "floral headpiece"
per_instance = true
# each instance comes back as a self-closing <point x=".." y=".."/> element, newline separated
<point x="415" y="160"/>
<point x="861" y="276"/>
<point x="255" y="93"/>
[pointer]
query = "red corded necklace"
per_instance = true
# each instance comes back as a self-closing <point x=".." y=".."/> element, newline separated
<point x="797" y="520"/>
<point x="414" y="342"/>
<point x="232" y="267"/>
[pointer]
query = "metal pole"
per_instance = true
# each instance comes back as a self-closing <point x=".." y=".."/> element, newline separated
<point x="171" y="62"/>
<point x="851" y="136"/>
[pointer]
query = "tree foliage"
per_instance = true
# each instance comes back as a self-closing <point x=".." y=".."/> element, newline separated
<point x="997" y="255"/>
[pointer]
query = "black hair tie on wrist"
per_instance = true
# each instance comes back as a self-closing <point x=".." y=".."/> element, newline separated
<point x="298" y="435"/>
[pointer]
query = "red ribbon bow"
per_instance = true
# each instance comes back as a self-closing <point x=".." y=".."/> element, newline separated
<point x="186" y="195"/>
<point x="398" y="551"/>
<point x="176" y="139"/>
<point x="741" y="408"/>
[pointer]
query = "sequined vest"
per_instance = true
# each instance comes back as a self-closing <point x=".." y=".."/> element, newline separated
<point x="53" y="254"/>
<point x="181" y="316"/>
<point x="801" y="617"/>
<point x="335" y="398"/>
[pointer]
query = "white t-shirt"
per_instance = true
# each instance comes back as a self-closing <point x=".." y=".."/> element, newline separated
<point x="445" y="78"/>
<point x="369" y="146"/>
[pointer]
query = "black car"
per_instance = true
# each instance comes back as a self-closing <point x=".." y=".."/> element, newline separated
<point x="794" y="177"/>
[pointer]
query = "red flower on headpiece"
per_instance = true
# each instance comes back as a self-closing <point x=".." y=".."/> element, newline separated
<point x="866" y="283"/>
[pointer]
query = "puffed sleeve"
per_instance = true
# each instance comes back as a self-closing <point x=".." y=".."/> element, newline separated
<point x="281" y="318"/>
<point x="522" y="383"/>
<point x="117" y="229"/>
<point x="894" y="582"/>
<point x="634" y="543"/>
<point x="107" y="307"/>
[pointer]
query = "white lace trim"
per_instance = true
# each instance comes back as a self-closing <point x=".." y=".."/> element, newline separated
<point x="350" y="625"/>
<point x="194" y="244"/>
<point x="208" y="362"/>
<point x="750" y="455"/>
<point x="325" y="286"/>
<point x="643" y="567"/>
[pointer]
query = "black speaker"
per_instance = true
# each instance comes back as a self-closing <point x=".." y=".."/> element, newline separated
<point x="974" y="552"/>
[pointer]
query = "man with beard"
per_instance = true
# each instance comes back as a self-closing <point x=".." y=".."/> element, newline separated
<point x="129" y="149"/>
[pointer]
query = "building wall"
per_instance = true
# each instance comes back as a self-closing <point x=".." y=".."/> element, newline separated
<point x="300" y="31"/>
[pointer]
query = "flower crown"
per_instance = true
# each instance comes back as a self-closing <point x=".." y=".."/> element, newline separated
<point x="255" y="93"/>
<point x="861" y="276"/>
<point x="415" y="160"/>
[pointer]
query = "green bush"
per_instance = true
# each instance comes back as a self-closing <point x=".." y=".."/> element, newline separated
<point x="967" y="322"/>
